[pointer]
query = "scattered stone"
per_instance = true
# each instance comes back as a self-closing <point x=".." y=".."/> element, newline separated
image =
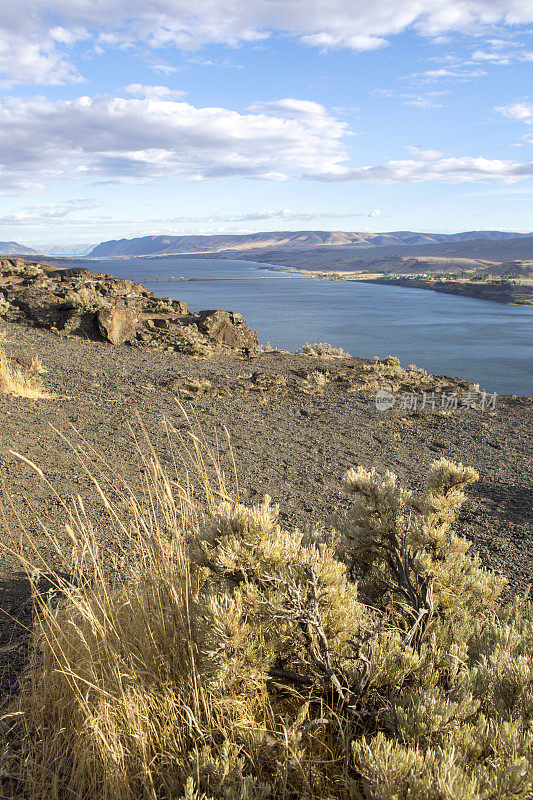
<point x="227" y="327"/>
<point x="117" y="325"/>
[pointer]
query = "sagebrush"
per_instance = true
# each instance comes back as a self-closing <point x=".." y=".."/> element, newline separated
<point x="322" y="350"/>
<point x="218" y="654"/>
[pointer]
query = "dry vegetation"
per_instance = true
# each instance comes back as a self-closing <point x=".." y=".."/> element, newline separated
<point x="216" y="654"/>
<point x="322" y="350"/>
<point x="21" y="379"/>
<point x="390" y="367"/>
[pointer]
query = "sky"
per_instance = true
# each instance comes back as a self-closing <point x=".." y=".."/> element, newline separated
<point x="122" y="119"/>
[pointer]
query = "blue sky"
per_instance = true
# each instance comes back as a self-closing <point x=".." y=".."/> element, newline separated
<point x="127" y="119"/>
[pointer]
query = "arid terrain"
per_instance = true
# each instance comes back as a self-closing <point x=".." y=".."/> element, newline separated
<point x="293" y="436"/>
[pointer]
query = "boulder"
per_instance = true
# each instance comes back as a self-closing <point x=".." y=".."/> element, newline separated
<point x="227" y="327"/>
<point x="117" y="325"/>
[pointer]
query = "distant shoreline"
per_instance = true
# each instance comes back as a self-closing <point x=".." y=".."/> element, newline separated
<point x="520" y="294"/>
<point x="508" y="294"/>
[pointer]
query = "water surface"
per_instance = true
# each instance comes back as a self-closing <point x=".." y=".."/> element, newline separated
<point x="486" y="342"/>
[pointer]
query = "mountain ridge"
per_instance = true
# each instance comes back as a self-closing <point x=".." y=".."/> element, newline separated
<point x="16" y="249"/>
<point x="287" y="240"/>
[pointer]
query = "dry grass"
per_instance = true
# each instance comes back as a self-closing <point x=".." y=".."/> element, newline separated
<point x="21" y="381"/>
<point x="215" y="655"/>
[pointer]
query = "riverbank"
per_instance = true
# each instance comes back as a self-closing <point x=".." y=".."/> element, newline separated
<point x="495" y="291"/>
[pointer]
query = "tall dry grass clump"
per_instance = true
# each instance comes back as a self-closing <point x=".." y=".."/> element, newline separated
<point x="21" y="380"/>
<point x="217" y="654"/>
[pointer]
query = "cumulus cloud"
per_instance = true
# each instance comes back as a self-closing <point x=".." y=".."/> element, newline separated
<point x="23" y="60"/>
<point x="156" y="135"/>
<point x="33" y="50"/>
<point x="119" y="139"/>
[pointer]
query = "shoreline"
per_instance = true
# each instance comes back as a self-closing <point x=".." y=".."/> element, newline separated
<point x="506" y="294"/>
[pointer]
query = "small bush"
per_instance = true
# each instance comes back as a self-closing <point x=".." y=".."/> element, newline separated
<point x="199" y="385"/>
<point x="86" y="297"/>
<point x="390" y="367"/>
<point x="322" y="350"/>
<point x="224" y="656"/>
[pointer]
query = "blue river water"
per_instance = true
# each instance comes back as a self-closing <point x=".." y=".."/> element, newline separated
<point x="486" y="342"/>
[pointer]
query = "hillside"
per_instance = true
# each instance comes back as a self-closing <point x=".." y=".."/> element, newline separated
<point x="16" y="249"/>
<point x="356" y="258"/>
<point x="284" y="240"/>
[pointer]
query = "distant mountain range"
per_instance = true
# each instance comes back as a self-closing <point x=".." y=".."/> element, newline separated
<point x="284" y="240"/>
<point x="16" y="249"/>
<point x="317" y="250"/>
<point x="66" y="249"/>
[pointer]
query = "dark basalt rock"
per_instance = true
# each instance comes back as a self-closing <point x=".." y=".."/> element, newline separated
<point x="78" y="301"/>
<point x="227" y="327"/>
<point x="117" y="325"/>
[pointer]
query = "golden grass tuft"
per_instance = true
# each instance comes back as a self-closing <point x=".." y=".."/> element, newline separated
<point x="21" y="381"/>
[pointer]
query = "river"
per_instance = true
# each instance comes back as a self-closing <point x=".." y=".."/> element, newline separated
<point x="486" y="342"/>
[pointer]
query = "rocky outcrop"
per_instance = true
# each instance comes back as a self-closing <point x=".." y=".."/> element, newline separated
<point x="117" y="325"/>
<point x="227" y="327"/>
<point x="77" y="301"/>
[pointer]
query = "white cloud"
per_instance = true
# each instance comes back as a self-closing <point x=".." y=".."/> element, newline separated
<point x="156" y="136"/>
<point x="420" y="102"/>
<point x="449" y="170"/>
<point x="120" y="139"/>
<point x="160" y="68"/>
<point x="65" y="217"/>
<point x="287" y="214"/>
<point x="523" y="112"/>
<point x="25" y="61"/>
<point x="153" y="92"/>
<point x="448" y="74"/>
<point x="47" y="213"/>
<point x="34" y="51"/>
<point x="425" y="100"/>
<point x="424" y="155"/>
<point x="501" y="53"/>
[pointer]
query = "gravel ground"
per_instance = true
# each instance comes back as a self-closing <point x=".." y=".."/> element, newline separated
<point x="295" y="448"/>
